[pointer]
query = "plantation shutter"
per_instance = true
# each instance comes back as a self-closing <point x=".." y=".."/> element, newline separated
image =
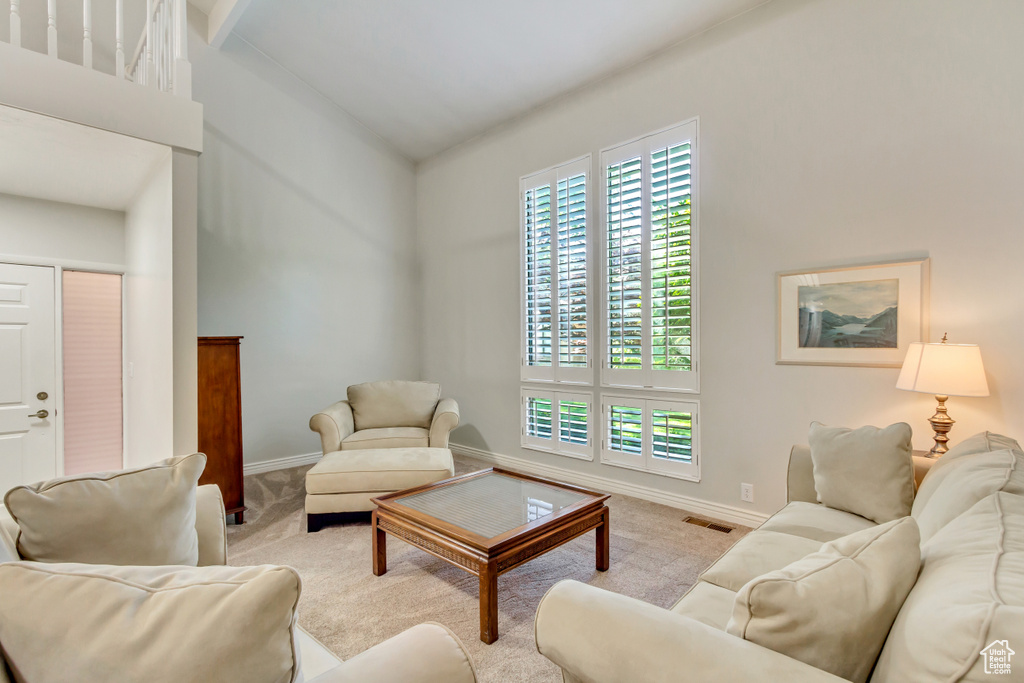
<point x="556" y="301"/>
<point x="557" y="422"/>
<point x="650" y="276"/>
<point x="651" y="435"/>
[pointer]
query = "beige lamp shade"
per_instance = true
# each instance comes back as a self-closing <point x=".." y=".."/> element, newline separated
<point x="944" y="370"/>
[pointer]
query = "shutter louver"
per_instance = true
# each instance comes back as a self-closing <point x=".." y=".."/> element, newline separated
<point x="625" y="429"/>
<point x="538" y="417"/>
<point x="572" y="272"/>
<point x="538" y="275"/>
<point x="672" y="435"/>
<point x="572" y="422"/>
<point x="670" y="258"/>
<point x="625" y="264"/>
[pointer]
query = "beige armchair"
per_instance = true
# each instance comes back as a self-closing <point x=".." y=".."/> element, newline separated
<point x="388" y="414"/>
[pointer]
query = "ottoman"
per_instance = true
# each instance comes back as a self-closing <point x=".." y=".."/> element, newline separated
<point x="345" y="481"/>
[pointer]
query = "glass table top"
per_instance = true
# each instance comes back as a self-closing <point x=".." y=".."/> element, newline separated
<point x="491" y="504"/>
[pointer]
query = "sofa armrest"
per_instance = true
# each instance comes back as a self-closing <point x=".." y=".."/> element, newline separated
<point x="428" y="653"/>
<point x="211" y="526"/>
<point x="800" y="477"/>
<point x="8" y="538"/>
<point x="446" y="418"/>
<point x="334" y="424"/>
<point x="596" y="635"/>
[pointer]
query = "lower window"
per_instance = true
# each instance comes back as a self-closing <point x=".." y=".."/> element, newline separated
<point x="557" y="422"/>
<point x="651" y="435"/>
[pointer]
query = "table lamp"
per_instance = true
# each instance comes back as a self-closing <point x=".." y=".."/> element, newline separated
<point x="944" y="370"/>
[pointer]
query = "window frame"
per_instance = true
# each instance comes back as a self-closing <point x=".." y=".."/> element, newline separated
<point x="646" y="461"/>
<point x="556" y="373"/>
<point x="683" y="381"/>
<point x="555" y="444"/>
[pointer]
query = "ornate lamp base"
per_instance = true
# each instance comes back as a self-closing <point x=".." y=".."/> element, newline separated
<point x="941" y="422"/>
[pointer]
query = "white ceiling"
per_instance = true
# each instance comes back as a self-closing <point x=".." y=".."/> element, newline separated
<point x="428" y="75"/>
<point x="50" y="159"/>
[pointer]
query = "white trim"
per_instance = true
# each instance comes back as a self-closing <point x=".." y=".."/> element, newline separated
<point x="66" y="264"/>
<point x="280" y="463"/>
<point x="726" y="513"/>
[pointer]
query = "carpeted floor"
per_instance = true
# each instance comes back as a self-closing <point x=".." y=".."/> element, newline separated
<point x="655" y="557"/>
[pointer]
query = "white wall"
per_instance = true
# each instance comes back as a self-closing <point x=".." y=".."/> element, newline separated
<point x="149" y="318"/>
<point x="832" y="132"/>
<point x="306" y="246"/>
<point x="60" y="233"/>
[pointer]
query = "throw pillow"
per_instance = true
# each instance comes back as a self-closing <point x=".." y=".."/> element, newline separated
<point x="154" y="624"/>
<point x="833" y="609"/>
<point x="144" y="516"/>
<point x="867" y="471"/>
<point x="962" y="483"/>
<point x="393" y="403"/>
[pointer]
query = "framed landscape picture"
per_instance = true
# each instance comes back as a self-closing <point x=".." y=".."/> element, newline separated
<point x="856" y="315"/>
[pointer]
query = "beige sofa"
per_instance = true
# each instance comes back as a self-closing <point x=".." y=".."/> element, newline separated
<point x="427" y="653"/>
<point x="388" y="414"/>
<point x="969" y="592"/>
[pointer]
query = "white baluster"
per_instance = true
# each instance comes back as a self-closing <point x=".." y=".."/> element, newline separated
<point x="182" y="69"/>
<point x="87" y="34"/>
<point x="149" y="66"/>
<point x="51" y="28"/>
<point x="119" y="38"/>
<point x="16" y="23"/>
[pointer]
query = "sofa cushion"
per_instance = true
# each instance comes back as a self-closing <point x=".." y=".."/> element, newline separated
<point x="970" y="593"/>
<point x="393" y="403"/>
<point x="815" y="521"/>
<point x="707" y="603"/>
<point x="982" y="442"/>
<point x="833" y="608"/>
<point x="154" y="624"/>
<point x="144" y="516"/>
<point x="866" y="471"/>
<point x="755" y="554"/>
<point x="390" y="469"/>
<point x="962" y="483"/>
<point x="386" y="437"/>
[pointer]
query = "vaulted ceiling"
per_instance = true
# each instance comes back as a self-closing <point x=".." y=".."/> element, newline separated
<point x="425" y="76"/>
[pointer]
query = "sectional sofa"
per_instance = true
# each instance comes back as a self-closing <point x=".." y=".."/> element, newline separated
<point x="966" y="596"/>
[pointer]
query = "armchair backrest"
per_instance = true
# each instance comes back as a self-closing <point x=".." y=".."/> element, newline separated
<point x="393" y="403"/>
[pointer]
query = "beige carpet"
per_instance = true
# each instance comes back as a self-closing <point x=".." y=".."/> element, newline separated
<point x="655" y="557"/>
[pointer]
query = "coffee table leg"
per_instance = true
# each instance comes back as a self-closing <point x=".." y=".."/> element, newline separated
<point x="488" y="603"/>
<point x="380" y="548"/>
<point x="603" y="547"/>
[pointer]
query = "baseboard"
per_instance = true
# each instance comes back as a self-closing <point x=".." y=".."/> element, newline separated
<point x="280" y="463"/>
<point x="706" y="508"/>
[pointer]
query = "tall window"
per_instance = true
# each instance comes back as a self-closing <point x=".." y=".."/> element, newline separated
<point x="650" y="268"/>
<point x="556" y="301"/>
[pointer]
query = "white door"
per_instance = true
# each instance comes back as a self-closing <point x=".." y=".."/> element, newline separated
<point x="28" y="440"/>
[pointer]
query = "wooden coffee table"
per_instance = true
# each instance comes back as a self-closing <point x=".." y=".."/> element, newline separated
<point x="487" y="523"/>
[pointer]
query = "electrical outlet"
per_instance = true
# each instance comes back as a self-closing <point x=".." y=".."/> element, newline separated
<point x="747" y="493"/>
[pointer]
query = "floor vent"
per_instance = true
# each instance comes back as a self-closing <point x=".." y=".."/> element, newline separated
<point x="714" y="526"/>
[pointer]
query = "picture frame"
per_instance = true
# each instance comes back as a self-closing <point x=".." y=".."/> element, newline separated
<point x="864" y="315"/>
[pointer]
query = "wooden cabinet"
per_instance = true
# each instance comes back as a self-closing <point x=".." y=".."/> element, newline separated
<point x="220" y="419"/>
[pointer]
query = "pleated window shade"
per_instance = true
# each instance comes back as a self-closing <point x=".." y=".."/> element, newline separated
<point x="93" y="421"/>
